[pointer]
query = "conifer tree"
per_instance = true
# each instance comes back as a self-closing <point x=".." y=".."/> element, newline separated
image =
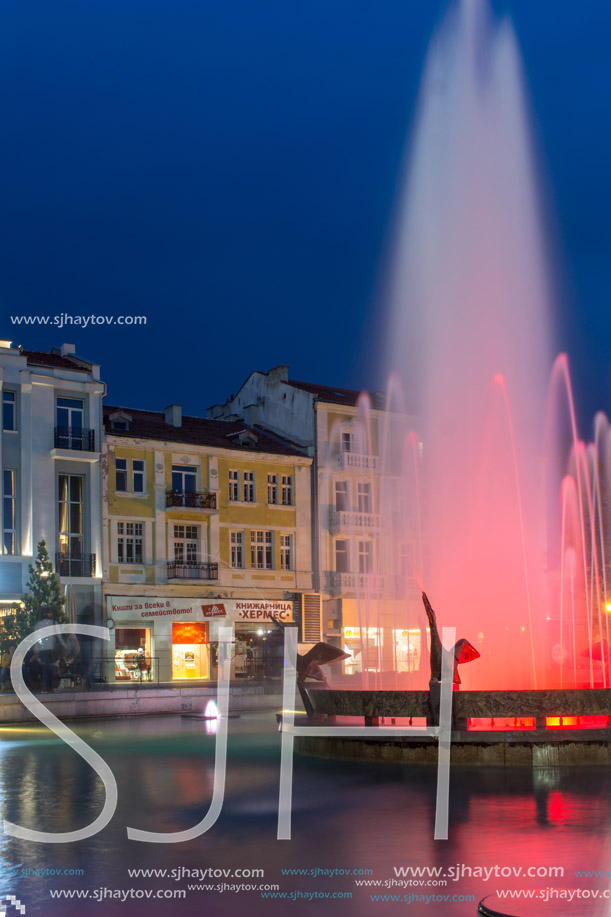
<point x="14" y="626"/>
<point x="43" y="593"/>
<point x="43" y="590"/>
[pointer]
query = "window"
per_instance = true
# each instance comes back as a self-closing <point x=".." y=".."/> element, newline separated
<point x="8" y="411"/>
<point x="236" y="540"/>
<point x="186" y="544"/>
<point x="129" y="542"/>
<point x="272" y="488"/>
<point x="69" y="430"/>
<point x="365" y="556"/>
<point x="363" y="492"/>
<point x="347" y="441"/>
<point x="70" y="414"/>
<point x="261" y="550"/>
<point x="71" y="530"/>
<point x="342" y="556"/>
<point x="121" y="474"/>
<point x="249" y="487"/>
<point x="287" y="490"/>
<point x="119" y="421"/>
<point x="286" y="553"/>
<point x="342" y="498"/>
<point x="234" y="486"/>
<point x="9" y="535"/>
<point x="184" y="493"/>
<point x="69" y="433"/>
<point x="184" y="478"/>
<point x="138" y="476"/>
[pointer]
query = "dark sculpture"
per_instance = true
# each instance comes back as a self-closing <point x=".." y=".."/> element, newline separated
<point x="463" y="652"/>
<point x="309" y="666"/>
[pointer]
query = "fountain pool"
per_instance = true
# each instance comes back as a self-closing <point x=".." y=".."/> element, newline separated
<point x="346" y="815"/>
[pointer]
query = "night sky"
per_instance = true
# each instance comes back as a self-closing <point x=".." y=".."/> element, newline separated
<point x="228" y="170"/>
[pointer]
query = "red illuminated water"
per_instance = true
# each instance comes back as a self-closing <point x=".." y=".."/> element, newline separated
<point x="500" y="509"/>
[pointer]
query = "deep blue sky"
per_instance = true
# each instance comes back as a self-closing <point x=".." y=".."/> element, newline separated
<point x="228" y="170"/>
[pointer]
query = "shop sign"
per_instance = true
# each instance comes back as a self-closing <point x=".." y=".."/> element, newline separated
<point x="127" y="608"/>
<point x="263" y="611"/>
<point x="214" y="611"/>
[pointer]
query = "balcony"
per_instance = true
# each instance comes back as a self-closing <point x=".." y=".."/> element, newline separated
<point x="357" y="461"/>
<point x="339" y="520"/>
<point x="190" y="499"/>
<point x="365" y="585"/>
<point x="179" y="570"/>
<point x="75" y="439"/>
<point x="75" y="564"/>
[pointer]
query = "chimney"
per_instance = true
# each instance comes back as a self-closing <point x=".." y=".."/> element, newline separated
<point x="279" y="373"/>
<point x="67" y="349"/>
<point x="173" y="415"/>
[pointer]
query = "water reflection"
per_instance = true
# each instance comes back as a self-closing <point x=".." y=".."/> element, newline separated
<point x="345" y="815"/>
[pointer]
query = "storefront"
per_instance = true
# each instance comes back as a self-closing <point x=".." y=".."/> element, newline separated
<point x="370" y="648"/>
<point x="259" y="645"/>
<point x="165" y="640"/>
<point x="376" y="643"/>
<point x="190" y="650"/>
<point x="364" y="644"/>
<point x="133" y="654"/>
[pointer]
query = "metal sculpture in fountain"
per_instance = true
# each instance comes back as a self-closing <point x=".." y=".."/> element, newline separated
<point x="309" y="666"/>
<point x="463" y="652"/>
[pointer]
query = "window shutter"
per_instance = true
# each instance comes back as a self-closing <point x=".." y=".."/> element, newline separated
<point x="311" y="618"/>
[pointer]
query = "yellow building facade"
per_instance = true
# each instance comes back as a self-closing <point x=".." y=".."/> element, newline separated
<point x="205" y="523"/>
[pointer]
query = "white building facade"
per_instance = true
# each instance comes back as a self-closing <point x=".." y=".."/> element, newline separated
<point x="50" y="459"/>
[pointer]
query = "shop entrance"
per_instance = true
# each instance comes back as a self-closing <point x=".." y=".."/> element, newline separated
<point x="190" y="656"/>
<point x="259" y="653"/>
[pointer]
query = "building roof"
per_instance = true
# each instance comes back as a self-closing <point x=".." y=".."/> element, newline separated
<point x="198" y="431"/>
<point x="333" y="395"/>
<point x="56" y="360"/>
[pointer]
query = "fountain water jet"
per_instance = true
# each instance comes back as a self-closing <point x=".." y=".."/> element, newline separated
<point x="470" y="304"/>
<point x="507" y="509"/>
<point x="481" y="497"/>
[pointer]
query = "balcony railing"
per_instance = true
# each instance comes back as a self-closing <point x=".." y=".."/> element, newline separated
<point x="362" y="584"/>
<point x="341" y="519"/>
<point x="357" y="461"/>
<point x="404" y="586"/>
<point x="178" y="570"/>
<point x="190" y="498"/>
<point x="75" y="438"/>
<point x="75" y="564"/>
